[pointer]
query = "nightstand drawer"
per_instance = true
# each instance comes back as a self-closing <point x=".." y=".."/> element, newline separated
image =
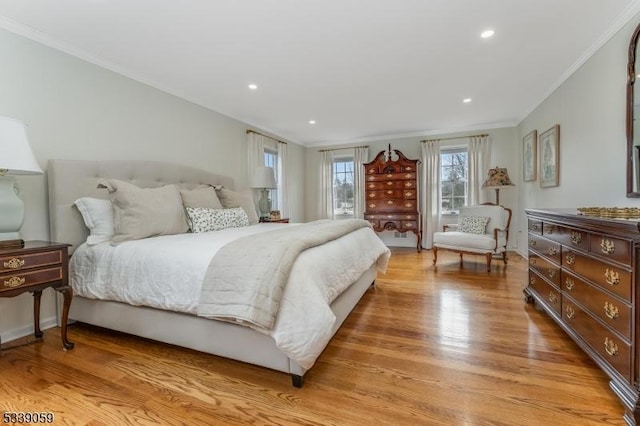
<point x="26" y="261"/>
<point x="9" y="281"/>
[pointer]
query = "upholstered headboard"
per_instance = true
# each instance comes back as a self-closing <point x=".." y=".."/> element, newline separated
<point x="71" y="179"/>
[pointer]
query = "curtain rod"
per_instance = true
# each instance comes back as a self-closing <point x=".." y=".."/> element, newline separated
<point x="266" y="136"/>
<point x="455" y="137"/>
<point x="338" y="149"/>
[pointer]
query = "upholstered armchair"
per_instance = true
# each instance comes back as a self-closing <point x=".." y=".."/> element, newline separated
<point x="481" y="230"/>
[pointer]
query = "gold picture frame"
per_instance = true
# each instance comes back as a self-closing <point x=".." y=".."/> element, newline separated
<point x="530" y="156"/>
<point x="549" y="145"/>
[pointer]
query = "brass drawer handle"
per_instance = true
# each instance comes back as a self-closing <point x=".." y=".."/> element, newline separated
<point x="532" y="280"/>
<point x="371" y="185"/>
<point x="611" y="277"/>
<point x="14" y="282"/>
<point x="548" y="230"/>
<point x="552" y="251"/>
<point x="372" y="206"/>
<point x="534" y="227"/>
<point x="569" y="283"/>
<point x="389" y="183"/>
<point x="610" y="347"/>
<point x="389" y="192"/>
<point x="533" y="261"/>
<point x="607" y="246"/>
<point x="576" y="237"/>
<point x="408" y="184"/>
<point x="571" y="313"/>
<point x="408" y="204"/>
<point x="408" y="225"/>
<point x="408" y="175"/>
<point x="389" y="202"/>
<point x="552" y="273"/>
<point x="611" y="311"/>
<point x="408" y="194"/>
<point x="552" y="297"/>
<point x="571" y="259"/>
<point x="14" y="263"/>
<point x="532" y="243"/>
<point x="372" y="194"/>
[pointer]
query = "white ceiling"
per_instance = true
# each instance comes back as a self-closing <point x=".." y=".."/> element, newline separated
<point x="363" y="69"/>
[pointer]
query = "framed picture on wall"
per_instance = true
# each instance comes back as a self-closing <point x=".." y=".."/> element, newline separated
<point x="549" y="143"/>
<point x="530" y="156"/>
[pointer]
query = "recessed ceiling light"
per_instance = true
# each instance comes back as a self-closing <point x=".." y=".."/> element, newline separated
<point x="466" y="100"/>
<point x="253" y="86"/>
<point x="487" y="33"/>
<point x="312" y="121"/>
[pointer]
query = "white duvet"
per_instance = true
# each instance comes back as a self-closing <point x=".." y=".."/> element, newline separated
<point x="166" y="272"/>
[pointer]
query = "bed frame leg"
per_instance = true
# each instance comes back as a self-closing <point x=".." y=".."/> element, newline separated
<point x="297" y="381"/>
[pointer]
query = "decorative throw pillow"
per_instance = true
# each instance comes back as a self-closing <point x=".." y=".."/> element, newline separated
<point x="231" y="199"/>
<point x="200" y="196"/>
<point x="205" y="220"/>
<point x="473" y="225"/>
<point x="98" y="216"/>
<point x="144" y="212"/>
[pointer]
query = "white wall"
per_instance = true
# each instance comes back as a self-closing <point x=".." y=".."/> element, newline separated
<point x="77" y="110"/>
<point x="590" y="109"/>
<point x="503" y="153"/>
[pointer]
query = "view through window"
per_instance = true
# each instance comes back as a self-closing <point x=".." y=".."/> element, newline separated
<point x="271" y="160"/>
<point x="453" y="180"/>
<point x="343" y="188"/>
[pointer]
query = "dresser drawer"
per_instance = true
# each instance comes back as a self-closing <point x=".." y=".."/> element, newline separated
<point x="409" y="224"/>
<point x="535" y="226"/>
<point x="547" y="248"/>
<point x="607" y="308"/>
<point x="613" y="278"/>
<point x="381" y="186"/>
<point x="390" y="176"/>
<point x="400" y="194"/>
<point x="391" y="216"/>
<point x="13" y="280"/>
<point x="392" y="205"/>
<point x="26" y="261"/>
<point x="606" y="343"/>
<point x="616" y="249"/>
<point x="545" y="268"/>
<point x="545" y="291"/>
<point x="569" y="237"/>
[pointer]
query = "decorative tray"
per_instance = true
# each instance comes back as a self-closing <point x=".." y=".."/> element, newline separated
<point x="611" y="212"/>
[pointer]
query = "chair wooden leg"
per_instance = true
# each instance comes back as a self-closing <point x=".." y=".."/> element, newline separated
<point x="489" y="262"/>
<point x="435" y="254"/>
<point x="461" y="262"/>
<point x="504" y="257"/>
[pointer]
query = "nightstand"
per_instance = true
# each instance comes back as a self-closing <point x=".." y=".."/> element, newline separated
<point x="32" y="268"/>
<point x="267" y="220"/>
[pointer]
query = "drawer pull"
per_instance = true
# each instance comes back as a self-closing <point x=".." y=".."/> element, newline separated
<point x="610" y="347"/>
<point x="408" y="194"/>
<point x="611" y="311"/>
<point x="371" y="186"/>
<point x="532" y="280"/>
<point x="571" y="313"/>
<point x="534" y="227"/>
<point x="408" y="204"/>
<point x="389" y="202"/>
<point x="570" y="259"/>
<point x="390" y="216"/>
<point x="389" y="192"/>
<point x="372" y="206"/>
<point x="408" y="168"/>
<point x="14" y="263"/>
<point x="552" y="297"/>
<point x="611" y="277"/>
<point x="607" y="246"/>
<point x="372" y="194"/>
<point x="14" y="281"/>
<point x="408" y="185"/>
<point x="532" y="243"/>
<point x="389" y="183"/>
<point x="533" y="261"/>
<point x="552" y="251"/>
<point x="552" y="273"/>
<point x="569" y="283"/>
<point x="408" y="175"/>
<point x="548" y="230"/>
<point x="408" y="225"/>
<point x="576" y="237"/>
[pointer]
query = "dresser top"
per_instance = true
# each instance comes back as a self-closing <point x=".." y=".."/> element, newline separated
<point x="568" y="216"/>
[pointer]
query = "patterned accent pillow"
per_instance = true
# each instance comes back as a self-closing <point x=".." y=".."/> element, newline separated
<point x="204" y="220"/>
<point x="473" y="225"/>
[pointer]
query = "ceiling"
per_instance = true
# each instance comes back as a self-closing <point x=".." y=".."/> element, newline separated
<point x="362" y="69"/>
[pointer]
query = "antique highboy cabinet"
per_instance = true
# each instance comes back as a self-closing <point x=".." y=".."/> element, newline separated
<point x="583" y="271"/>
<point x="392" y="194"/>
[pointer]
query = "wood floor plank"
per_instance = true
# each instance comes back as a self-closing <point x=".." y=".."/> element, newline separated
<point x="427" y="345"/>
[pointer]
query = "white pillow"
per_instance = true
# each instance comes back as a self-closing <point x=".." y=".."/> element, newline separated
<point x="230" y="199"/>
<point x="204" y="220"/>
<point x="473" y="224"/>
<point x="98" y="216"/>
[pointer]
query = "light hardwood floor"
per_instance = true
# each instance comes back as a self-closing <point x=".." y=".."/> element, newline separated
<point x="429" y="346"/>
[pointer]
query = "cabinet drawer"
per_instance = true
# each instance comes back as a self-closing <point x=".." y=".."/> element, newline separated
<point x="535" y="226"/>
<point x="391" y="216"/>
<point x="399" y="194"/>
<point x="615" y="249"/>
<point x="570" y="237"/>
<point x="545" y="268"/>
<point x="547" y="248"/>
<point x="613" y="278"/>
<point x="607" y="308"/>
<point x="409" y="224"/>
<point x="545" y="291"/>
<point x="607" y="344"/>
<point x="11" y="281"/>
<point x="381" y="186"/>
<point x="392" y="205"/>
<point x="390" y="176"/>
<point x="25" y="261"/>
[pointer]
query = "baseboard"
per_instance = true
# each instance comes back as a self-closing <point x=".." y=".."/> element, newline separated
<point x="18" y="333"/>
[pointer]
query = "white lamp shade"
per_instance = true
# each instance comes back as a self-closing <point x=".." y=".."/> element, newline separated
<point x="16" y="157"/>
<point x="263" y="177"/>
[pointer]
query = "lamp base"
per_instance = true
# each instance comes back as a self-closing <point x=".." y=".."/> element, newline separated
<point x="12" y="209"/>
<point x="11" y="244"/>
<point x="264" y="204"/>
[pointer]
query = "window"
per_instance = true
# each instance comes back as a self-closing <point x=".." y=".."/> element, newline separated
<point x="271" y="160"/>
<point x="453" y="180"/>
<point x="343" y="188"/>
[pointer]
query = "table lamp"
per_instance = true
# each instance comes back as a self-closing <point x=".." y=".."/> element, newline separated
<point x="264" y="178"/>
<point x="497" y="178"/>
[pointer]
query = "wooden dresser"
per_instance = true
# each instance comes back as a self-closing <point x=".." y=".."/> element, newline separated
<point x="392" y="194"/>
<point x="583" y="271"/>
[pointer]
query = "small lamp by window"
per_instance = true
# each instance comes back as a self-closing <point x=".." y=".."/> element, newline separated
<point x="264" y="178"/>
<point x="16" y="158"/>
<point x="497" y="178"/>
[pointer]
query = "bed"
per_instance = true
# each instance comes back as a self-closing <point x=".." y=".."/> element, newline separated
<point x="69" y="180"/>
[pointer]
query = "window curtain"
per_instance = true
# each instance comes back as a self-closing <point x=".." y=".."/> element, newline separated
<point x="255" y="154"/>
<point x="325" y="209"/>
<point x="479" y="157"/>
<point x="283" y="184"/>
<point x="430" y="191"/>
<point x="360" y="156"/>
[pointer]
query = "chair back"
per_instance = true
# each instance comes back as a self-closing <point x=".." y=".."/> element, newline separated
<point x="499" y="217"/>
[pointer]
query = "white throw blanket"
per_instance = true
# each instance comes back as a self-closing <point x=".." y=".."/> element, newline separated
<point x="246" y="278"/>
